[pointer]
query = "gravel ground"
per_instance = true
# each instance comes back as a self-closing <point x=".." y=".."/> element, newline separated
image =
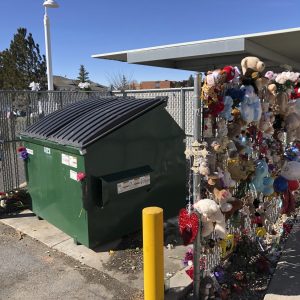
<point x="30" y="270"/>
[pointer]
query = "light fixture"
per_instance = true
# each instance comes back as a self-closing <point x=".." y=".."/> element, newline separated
<point x="50" y="4"/>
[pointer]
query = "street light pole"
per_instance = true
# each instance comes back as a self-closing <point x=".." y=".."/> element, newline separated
<point x="48" y="4"/>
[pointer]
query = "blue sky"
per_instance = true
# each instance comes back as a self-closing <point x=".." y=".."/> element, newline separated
<point x="82" y="28"/>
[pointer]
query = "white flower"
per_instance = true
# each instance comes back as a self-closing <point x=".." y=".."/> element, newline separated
<point x="281" y="78"/>
<point x="35" y="86"/>
<point x="285" y="76"/>
<point x="84" y="85"/>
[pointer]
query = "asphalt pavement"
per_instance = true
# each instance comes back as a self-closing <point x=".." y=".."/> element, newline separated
<point x="285" y="283"/>
<point x="31" y="270"/>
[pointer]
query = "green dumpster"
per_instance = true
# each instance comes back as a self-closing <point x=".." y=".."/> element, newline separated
<point x="94" y="165"/>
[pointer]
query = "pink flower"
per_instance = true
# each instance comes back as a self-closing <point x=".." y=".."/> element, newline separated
<point x="80" y="176"/>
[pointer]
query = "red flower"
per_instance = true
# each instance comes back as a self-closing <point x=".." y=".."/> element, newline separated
<point x="21" y="149"/>
<point x="80" y="176"/>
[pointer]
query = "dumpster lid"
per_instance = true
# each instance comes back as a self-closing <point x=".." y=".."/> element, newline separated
<point x="84" y="122"/>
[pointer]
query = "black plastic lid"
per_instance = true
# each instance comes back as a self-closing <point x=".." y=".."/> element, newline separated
<point x="84" y="122"/>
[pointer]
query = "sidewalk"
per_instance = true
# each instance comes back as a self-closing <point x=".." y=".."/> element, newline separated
<point x="109" y="258"/>
<point x="285" y="284"/>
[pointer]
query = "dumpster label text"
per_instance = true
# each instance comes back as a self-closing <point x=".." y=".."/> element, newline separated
<point x="65" y="159"/>
<point x="29" y="151"/>
<point x="133" y="184"/>
<point x="73" y="161"/>
<point x="73" y="175"/>
<point x="69" y="160"/>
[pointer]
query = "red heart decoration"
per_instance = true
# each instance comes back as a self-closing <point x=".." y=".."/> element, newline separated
<point x="190" y="272"/>
<point x="188" y="226"/>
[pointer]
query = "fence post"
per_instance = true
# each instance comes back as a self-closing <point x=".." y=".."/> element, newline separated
<point x="182" y="103"/>
<point x="153" y="253"/>
<point x="198" y="114"/>
<point x="60" y="99"/>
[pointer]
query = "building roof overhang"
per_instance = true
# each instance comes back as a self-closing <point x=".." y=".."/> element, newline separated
<point x="279" y="50"/>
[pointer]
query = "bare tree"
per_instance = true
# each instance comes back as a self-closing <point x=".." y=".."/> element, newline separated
<point x="121" y="82"/>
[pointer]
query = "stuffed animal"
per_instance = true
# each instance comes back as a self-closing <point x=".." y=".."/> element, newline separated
<point x="281" y="103"/>
<point x="237" y="169"/>
<point x="292" y="123"/>
<point x="226" y="180"/>
<point x="230" y="73"/>
<point x="221" y="194"/>
<point x="222" y="129"/>
<point x="236" y="205"/>
<point x="226" y="113"/>
<point x="220" y="145"/>
<point x="266" y="121"/>
<point x="253" y="64"/>
<point x="272" y="89"/>
<point x="222" y="197"/>
<point x="261" y="84"/>
<point x="235" y="128"/>
<point x="210" y="214"/>
<point x="250" y="106"/>
<point x="262" y="180"/>
<point x="216" y="77"/>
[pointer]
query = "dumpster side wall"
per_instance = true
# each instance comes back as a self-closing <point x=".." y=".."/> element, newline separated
<point x="56" y="194"/>
<point x="141" y="164"/>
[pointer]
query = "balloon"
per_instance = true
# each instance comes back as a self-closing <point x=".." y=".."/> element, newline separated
<point x="268" y="186"/>
<point x="293" y="185"/>
<point x="280" y="184"/>
<point x="291" y="170"/>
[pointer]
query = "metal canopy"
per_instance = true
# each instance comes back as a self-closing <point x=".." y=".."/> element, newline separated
<point x="277" y="49"/>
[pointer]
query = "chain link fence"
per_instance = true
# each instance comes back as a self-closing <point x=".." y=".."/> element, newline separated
<point x="19" y="109"/>
<point x="180" y="105"/>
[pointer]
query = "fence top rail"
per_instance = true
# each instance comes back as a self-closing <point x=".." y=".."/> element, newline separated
<point x="47" y="92"/>
<point x="155" y="90"/>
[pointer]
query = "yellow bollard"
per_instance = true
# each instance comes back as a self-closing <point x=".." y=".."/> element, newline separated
<point x="153" y="250"/>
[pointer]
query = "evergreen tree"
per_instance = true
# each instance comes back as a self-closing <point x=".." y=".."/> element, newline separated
<point x="190" y="81"/>
<point x="124" y="83"/>
<point x="83" y="74"/>
<point x="22" y="63"/>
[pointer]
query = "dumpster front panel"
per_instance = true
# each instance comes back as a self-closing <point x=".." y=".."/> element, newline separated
<point x="142" y="164"/>
<point x="56" y="194"/>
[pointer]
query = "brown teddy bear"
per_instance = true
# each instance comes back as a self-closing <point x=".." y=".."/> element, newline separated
<point x="252" y="64"/>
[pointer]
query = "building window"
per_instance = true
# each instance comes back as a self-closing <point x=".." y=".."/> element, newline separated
<point x="157" y="84"/>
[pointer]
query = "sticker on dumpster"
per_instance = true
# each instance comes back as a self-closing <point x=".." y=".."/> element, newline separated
<point x="132" y="184"/>
<point x="65" y="159"/>
<point x="47" y="150"/>
<point x="72" y="161"/>
<point x="29" y="151"/>
<point x="73" y="175"/>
